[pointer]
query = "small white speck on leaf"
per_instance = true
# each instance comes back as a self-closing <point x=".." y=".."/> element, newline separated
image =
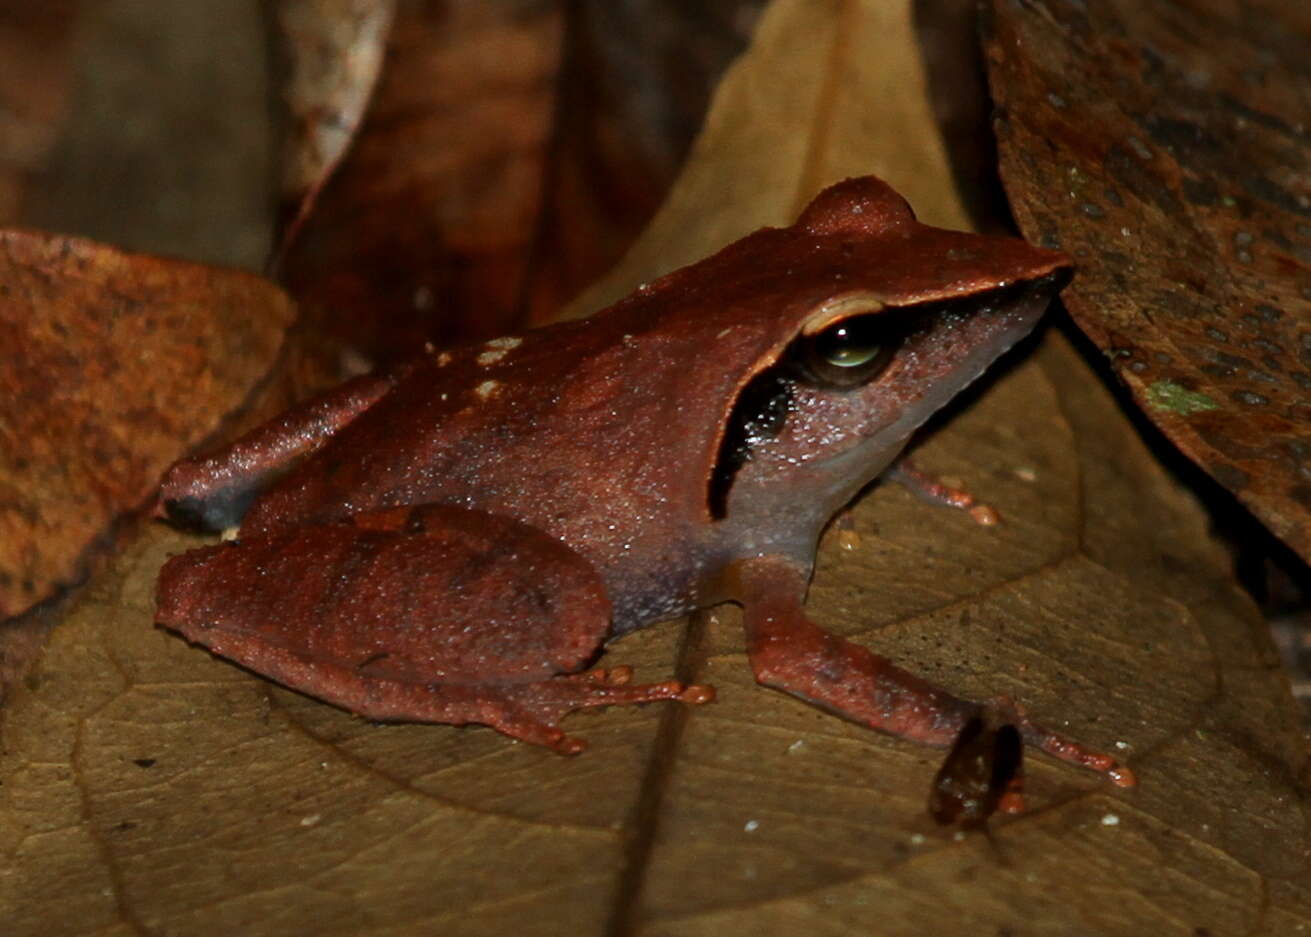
<point x="751" y="826"/>
<point x="311" y="820"/>
<point x="917" y="839"/>
<point x="796" y="746"/>
<point x="1026" y="474"/>
<point x="1110" y="820"/>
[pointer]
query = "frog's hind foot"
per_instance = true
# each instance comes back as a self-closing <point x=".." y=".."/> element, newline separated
<point x="532" y="711"/>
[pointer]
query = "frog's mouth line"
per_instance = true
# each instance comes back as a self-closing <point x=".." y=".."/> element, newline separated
<point x="763" y="405"/>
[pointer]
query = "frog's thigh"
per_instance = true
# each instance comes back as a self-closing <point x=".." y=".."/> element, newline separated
<point x="433" y="594"/>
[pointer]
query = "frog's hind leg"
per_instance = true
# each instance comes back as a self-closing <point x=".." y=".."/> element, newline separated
<point x="213" y="491"/>
<point x="791" y="653"/>
<point x="426" y="614"/>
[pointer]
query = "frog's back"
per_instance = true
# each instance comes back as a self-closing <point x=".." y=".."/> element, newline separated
<point x="584" y="446"/>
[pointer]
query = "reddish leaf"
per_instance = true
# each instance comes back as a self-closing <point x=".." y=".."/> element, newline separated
<point x="433" y="209"/>
<point x="1166" y="147"/>
<point x="509" y="157"/>
<point x="114" y="365"/>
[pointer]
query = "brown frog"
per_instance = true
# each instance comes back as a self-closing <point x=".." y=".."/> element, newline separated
<point x="454" y="539"/>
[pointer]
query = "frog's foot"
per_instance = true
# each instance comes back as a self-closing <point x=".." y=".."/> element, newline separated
<point x="1058" y="746"/>
<point x="934" y="490"/>
<point x="531" y="712"/>
<point x="791" y="653"/>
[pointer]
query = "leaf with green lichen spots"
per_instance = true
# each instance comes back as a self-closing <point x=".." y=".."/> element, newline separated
<point x="1173" y="396"/>
<point x="1184" y="204"/>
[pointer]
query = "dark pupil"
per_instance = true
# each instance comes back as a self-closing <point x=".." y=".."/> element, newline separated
<point x="848" y="345"/>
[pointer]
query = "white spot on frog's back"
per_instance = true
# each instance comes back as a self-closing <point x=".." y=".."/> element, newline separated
<point x="498" y="348"/>
<point x="487" y="389"/>
<point x="443" y="359"/>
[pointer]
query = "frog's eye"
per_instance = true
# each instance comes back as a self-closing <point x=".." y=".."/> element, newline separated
<point x="851" y="352"/>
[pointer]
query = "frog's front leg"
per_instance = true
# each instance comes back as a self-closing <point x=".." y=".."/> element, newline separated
<point x="791" y="653"/>
<point x="426" y="614"/>
<point x="213" y="490"/>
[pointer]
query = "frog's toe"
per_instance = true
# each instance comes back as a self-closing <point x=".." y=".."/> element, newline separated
<point x="1061" y="746"/>
<point x="525" y="727"/>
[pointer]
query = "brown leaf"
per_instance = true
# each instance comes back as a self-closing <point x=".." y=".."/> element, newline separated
<point x="151" y="788"/>
<point x="1166" y="147"/>
<point x="115" y="364"/>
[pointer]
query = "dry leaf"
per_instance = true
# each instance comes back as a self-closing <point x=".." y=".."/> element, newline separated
<point x="334" y="52"/>
<point x="632" y="92"/>
<point x="115" y="364"/>
<point x="1166" y="146"/>
<point x="151" y="788"/>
